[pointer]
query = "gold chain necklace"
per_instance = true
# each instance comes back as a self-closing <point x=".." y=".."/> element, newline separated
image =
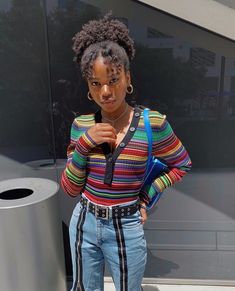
<point x="112" y="121"/>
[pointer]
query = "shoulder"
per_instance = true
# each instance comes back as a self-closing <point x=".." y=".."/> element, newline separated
<point x="83" y="121"/>
<point x="81" y="124"/>
<point x="156" y="118"/>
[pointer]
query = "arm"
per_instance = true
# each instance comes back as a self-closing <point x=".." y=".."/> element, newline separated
<point x="169" y="148"/>
<point x="74" y="176"/>
<point x="85" y="135"/>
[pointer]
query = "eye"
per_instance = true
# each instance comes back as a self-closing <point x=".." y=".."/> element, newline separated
<point x="95" y="83"/>
<point x="113" y="81"/>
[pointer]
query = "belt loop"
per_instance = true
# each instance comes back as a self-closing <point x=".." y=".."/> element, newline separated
<point x="88" y="205"/>
<point x="110" y="212"/>
<point x="96" y="210"/>
<point x="107" y="214"/>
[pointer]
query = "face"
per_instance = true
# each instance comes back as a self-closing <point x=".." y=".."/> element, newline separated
<point x="108" y="85"/>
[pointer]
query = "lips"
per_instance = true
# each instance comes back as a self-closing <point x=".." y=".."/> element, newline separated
<point x="108" y="102"/>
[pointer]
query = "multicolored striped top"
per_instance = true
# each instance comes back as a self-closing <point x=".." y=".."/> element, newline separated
<point x="108" y="178"/>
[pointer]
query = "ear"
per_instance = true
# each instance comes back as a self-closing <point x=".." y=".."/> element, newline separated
<point x="128" y="78"/>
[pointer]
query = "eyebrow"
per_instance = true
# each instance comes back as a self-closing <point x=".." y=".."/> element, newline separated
<point x="111" y="76"/>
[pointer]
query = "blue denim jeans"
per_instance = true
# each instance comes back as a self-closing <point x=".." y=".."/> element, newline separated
<point x="117" y="242"/>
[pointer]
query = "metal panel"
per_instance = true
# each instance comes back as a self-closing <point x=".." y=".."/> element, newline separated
<point x="31" y="248"/>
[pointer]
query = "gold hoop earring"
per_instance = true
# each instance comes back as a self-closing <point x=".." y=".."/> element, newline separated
<point x="89" y="96"/>
<point x="129" y="89"/>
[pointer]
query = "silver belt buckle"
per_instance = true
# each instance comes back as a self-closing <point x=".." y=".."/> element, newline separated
<point x="104" y="212"/>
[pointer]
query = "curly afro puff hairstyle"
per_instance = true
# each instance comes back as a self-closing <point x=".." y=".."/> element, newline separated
<point x="108" y="38"/>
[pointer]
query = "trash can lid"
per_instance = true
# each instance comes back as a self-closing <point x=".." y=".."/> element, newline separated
<point x="25" y="191"/>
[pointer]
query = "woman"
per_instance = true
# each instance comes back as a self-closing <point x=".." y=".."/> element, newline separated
<point x="106" y="164"/>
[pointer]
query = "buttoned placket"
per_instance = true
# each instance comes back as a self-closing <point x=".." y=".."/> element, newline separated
<point x="111" y="157"/>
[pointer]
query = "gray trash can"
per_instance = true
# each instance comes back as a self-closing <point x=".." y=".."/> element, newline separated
<point x="31" y="245"/>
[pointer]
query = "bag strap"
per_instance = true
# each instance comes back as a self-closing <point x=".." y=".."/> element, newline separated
<point x="161" y="165"/>
<point x="149" y="134"/>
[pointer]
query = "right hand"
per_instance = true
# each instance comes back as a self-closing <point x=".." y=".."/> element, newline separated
<point x="102" y="132"/>
<point x="143" y="213"/>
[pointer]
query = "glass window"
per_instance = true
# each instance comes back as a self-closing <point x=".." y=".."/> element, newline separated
<point x="25" y="110"/>
<point x="153" y="33"/>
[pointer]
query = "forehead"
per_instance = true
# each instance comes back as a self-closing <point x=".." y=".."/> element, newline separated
<point x="103" y="68"/>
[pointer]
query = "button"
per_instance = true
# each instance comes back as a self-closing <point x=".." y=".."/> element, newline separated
<point x="122" y="144"/>
<point x="137" y="114"/>
<point x="132" y="129"/>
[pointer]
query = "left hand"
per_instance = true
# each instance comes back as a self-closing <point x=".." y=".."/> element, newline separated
<point x="143" y="213"/>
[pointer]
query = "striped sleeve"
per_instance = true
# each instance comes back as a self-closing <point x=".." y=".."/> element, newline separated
<point x="74" y="176"/>
<point x="167" y="147"/>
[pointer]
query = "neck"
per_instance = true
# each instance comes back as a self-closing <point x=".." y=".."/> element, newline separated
<point x="114" y="116"/>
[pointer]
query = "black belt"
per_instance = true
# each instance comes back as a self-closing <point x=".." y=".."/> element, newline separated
<point x="106" y="212"/>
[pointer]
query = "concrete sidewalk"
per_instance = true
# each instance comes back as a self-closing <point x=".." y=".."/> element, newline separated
<point x="160" y="287"/>
<point x="153" y="284"/>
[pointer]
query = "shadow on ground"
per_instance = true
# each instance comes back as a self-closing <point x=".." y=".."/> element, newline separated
<point x="157" y="267"/>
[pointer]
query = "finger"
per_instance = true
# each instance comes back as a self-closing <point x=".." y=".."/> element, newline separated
<point x="143" y="214"/>
<point x="107" y="134"/>
<point x="105" y="126"/>
<point x="108" y="138"/>
<point x="143" y="220"/>
<point x="105" y="131"/>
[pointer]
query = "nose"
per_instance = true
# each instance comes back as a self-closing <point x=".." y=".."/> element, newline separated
<point x="105" y="91"/>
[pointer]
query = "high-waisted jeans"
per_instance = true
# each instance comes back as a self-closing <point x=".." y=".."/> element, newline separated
<point x="117" y="242"/>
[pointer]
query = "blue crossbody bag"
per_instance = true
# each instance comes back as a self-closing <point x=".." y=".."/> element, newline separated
<point x="154" y="166"/>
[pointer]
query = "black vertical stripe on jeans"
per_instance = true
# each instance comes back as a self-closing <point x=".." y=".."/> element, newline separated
<point x="122" y="254"/>
<point x="78" y="284"/>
